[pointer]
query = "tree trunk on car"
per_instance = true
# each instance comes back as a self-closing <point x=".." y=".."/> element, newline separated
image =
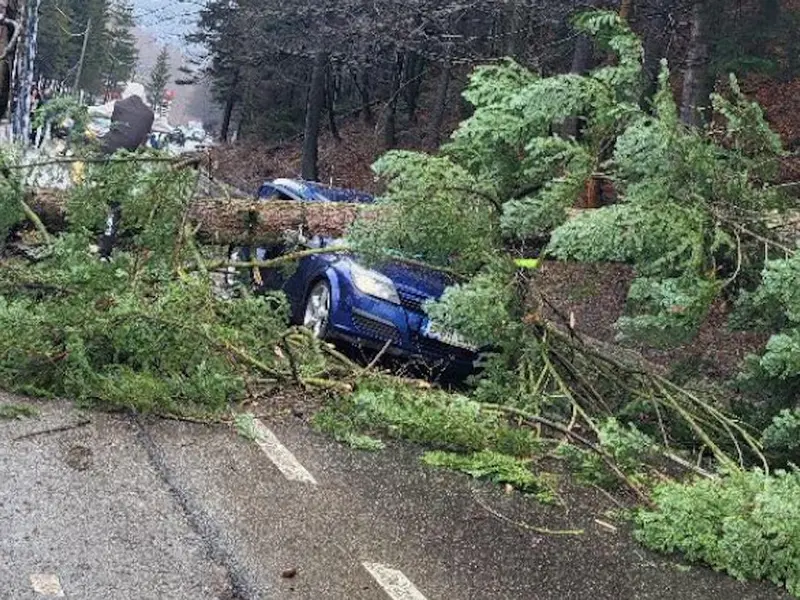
<point x="314" y="108"/>
<point x="225" y="221"/>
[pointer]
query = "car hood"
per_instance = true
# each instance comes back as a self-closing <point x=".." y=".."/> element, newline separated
<point x="416" y="280"/>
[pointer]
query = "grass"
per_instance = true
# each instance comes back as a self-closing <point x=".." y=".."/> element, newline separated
<point x="245" y="425"/>
<point x="431" y="418"/>
<point x="496" y="468"/>
<point x="11" y="412"/>
<point x="464" y="436"/>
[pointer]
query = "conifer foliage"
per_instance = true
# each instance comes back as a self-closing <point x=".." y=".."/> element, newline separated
<point x="110" y="55"/>
<point x="685" y="198"/>
<point x="159" y="79"/>
<point x="691" y="213"/>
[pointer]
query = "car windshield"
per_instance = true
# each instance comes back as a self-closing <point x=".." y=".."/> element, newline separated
<point x="323" y="194"/>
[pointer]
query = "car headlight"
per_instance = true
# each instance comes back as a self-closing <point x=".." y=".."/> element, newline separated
<point x="374" y="284"/>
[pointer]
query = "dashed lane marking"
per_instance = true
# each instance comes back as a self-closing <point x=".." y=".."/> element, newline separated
<point x="280" y="456"/>
<point x="393" y="582"/>
<point x="47" y="585"/>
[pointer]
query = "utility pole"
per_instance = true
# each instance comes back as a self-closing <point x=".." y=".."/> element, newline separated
<point x="83" y="54"/>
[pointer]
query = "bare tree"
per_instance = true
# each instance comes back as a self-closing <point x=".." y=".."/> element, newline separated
<point x="314" y="108"/>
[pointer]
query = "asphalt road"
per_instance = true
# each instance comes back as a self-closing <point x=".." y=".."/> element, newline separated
<point x="96" y="506"/>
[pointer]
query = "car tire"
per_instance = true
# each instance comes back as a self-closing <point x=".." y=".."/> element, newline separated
<point x="317" y="310"/>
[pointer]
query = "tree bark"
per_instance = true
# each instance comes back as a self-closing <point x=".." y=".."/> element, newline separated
<point x="415" y="66"/>
<point x="465" y="109"/>
<point x="231" y="221"/>
<point x="440" y="108"/>
<point x="332" y="117"/>
<point x="9" y="9"/>
<point x="330" y="105"/>
<point x="581" y="64"/>
<point x="512" y="35"/>
<point x="230" y="104"/>
<point x="655" y="44"/>
<point x="626" y="10"/>
<point x="696" y="79"/>
<point x="366" y="99"/>
<point x="582" y="57"/>
<point x="361" y="82"/>
<point x="390" y="122"/>
<point x="227" y="114"/>
<point x="314" y="108"/>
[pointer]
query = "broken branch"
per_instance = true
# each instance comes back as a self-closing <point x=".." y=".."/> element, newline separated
<point x="60" y="429"/>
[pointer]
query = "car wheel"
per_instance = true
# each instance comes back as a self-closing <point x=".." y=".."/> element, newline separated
<point x="318" y="309"/>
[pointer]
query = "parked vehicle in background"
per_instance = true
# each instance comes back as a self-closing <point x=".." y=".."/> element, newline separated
<point x="339" y="298"/>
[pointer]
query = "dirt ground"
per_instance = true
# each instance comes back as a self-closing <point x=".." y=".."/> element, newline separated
<point x="595" y="295"/>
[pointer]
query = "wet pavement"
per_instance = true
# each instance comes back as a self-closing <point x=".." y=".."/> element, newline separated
<point x="106" y="506"/>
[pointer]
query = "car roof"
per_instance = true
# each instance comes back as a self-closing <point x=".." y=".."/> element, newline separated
<point x="317" y="192"/>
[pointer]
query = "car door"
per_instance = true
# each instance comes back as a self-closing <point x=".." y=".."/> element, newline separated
<point x="292" y="278"/>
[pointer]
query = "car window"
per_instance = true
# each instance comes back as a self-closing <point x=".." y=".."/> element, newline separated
<point x="270" y="192"/>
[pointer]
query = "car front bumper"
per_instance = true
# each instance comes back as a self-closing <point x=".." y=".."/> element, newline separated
<point x="371" y="322"/>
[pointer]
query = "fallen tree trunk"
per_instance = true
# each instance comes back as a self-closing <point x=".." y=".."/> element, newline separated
<point x="246" y="221"/>
<point x="231" y="220"/>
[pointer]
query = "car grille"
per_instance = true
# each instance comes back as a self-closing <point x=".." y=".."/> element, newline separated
<point x="412" y="302"/>
<point x="376" y="329"/>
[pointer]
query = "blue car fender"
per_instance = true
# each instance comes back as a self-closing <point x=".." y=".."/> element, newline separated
<point x="333" y="279"/>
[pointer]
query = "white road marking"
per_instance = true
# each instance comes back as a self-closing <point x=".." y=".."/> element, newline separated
<point x="393" y="582"/>
<point x="47" y="585"/>
<point x="280" y="456"/>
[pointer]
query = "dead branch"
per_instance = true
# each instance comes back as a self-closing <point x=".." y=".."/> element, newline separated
<point x="274" y="262"/>
<point x="37" y="222"/>
<point x="688" y="465"/>
<point x="377" y="358"/>
<point x="328" y="384"/>
<point x="68" y="160"/>
<point x="210" y="422"/>
<point x="59" y="429"/>
<point x="530" y="418"/>
<point x="291" y="358"/>
<point x="12" y="43"/>
<point x="522" y="525"/>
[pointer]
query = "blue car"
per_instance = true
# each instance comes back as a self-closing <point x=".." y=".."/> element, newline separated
<point x="340" y="299"/>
